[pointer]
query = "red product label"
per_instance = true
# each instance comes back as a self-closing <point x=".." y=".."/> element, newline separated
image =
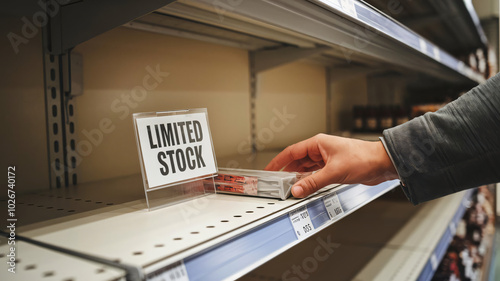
<point x="236" y="184"/>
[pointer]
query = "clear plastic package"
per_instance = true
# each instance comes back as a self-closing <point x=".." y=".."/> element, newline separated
<point x="259" y="183"/>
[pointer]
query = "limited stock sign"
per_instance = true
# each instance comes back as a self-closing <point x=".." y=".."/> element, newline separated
<point x="174" y="147"/>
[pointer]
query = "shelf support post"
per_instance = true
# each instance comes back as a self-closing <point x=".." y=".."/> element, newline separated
<point x="270" y="58"/>
<point x="262" y="60"/>
<point x="59" y="90"/>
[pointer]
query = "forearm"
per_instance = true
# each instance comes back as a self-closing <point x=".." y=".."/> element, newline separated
<point x="455" y="148"/>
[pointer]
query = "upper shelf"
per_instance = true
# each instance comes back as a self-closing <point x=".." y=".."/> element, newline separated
<point x="452" y="25"/>
<point x="352" y="32"/>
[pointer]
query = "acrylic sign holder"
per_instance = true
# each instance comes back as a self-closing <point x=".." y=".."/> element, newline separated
<point x="158" y="196"/>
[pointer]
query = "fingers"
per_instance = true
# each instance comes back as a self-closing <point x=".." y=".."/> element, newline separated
<point x="289" y="154"/>
<point x="298" y="165"/>
<point x="296" y="151"/>
<point x="311" y="169"/>
<point x="312" y="183"/>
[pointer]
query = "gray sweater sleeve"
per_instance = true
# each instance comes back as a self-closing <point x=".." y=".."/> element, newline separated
<point x="455" y="148"/>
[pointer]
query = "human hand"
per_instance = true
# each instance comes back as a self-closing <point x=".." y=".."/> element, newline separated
<point x="340" y="160"/>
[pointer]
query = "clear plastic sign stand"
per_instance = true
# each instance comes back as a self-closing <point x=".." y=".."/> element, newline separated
<point x="176" y="155"/>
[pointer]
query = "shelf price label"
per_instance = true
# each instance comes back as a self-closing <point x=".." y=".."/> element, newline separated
<point x="174" y="272"/>
<point x="301" y="222"/>
<point x="434" y="262"/>
<point x="349" y="7"/>
<point x="423" y="45"/>
<point x="332" y="205"/>
<point x="461" y="67"/>
<point x="453" y="228"/>
<point x="437" y="55"/>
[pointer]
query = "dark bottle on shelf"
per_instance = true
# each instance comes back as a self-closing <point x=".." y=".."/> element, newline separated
<point x="386" y="118"/>
<point x="371" y="119"/>
<point x="401" y="115"/>
<point x="358" y="118"/>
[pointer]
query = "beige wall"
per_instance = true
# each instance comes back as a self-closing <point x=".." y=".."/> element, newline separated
<point x="486" y="8"/>
<point x="291" y="104"/>
<point x="199" y="75"/>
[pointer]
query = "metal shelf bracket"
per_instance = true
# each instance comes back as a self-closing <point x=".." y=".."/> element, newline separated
<point x="267" y="59"/>
<point x="62" y="81"/>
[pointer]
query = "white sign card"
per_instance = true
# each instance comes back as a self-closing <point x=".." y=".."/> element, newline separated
<point x="175" y="147"/>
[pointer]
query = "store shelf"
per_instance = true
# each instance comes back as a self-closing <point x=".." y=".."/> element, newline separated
<point x="355" y="240"/>
<point x="356" y="32"/>
<point x="54" y="204"/>
<point x="353" y="30"/>
<point x="416" y="250"/>
<point x="452" y="25"/>
<point x="443" y="243"/>
<point x="216" y="237"/>
<point x="38" y="263"/>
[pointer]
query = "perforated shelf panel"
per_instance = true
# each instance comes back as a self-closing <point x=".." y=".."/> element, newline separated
<point x="217" y="236"/>
<point x="55" y="203"/>
<point x="37" y="263"/>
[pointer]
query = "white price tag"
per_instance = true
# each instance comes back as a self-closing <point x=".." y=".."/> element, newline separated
<point x="434" y="262"/>
<point x="436" y="54"/>
<point x="461" y="67"/>
<point x="349" y="7"/>
<point x="174" y="272"/>
<point x="423" y="45"/>
<point x="301" y="222"/>
<point x="332" y="205"/>
<point x="453" y="228"/>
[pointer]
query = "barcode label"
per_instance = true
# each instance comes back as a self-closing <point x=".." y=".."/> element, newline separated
<point x="423" y="45"/>
<point x="434" y="262"/>
<point x="301" y="222"/>
<point x="453" y="228"/>
<point x="349" y="7"/>
<point x="174" y="272"/>
<point x="461" y="66"/>
<point x="332" y="205"/>
<point x="437" y="55"/>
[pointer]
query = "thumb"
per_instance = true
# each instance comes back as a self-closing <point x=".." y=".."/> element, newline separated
<point x="311" y="184"/>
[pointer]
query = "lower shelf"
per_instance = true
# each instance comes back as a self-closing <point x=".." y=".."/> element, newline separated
<point x="210" y="238"/>
<point x="389" y="239"/>
<point x="240" y="255"/>
<point x="417" y="252"/>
